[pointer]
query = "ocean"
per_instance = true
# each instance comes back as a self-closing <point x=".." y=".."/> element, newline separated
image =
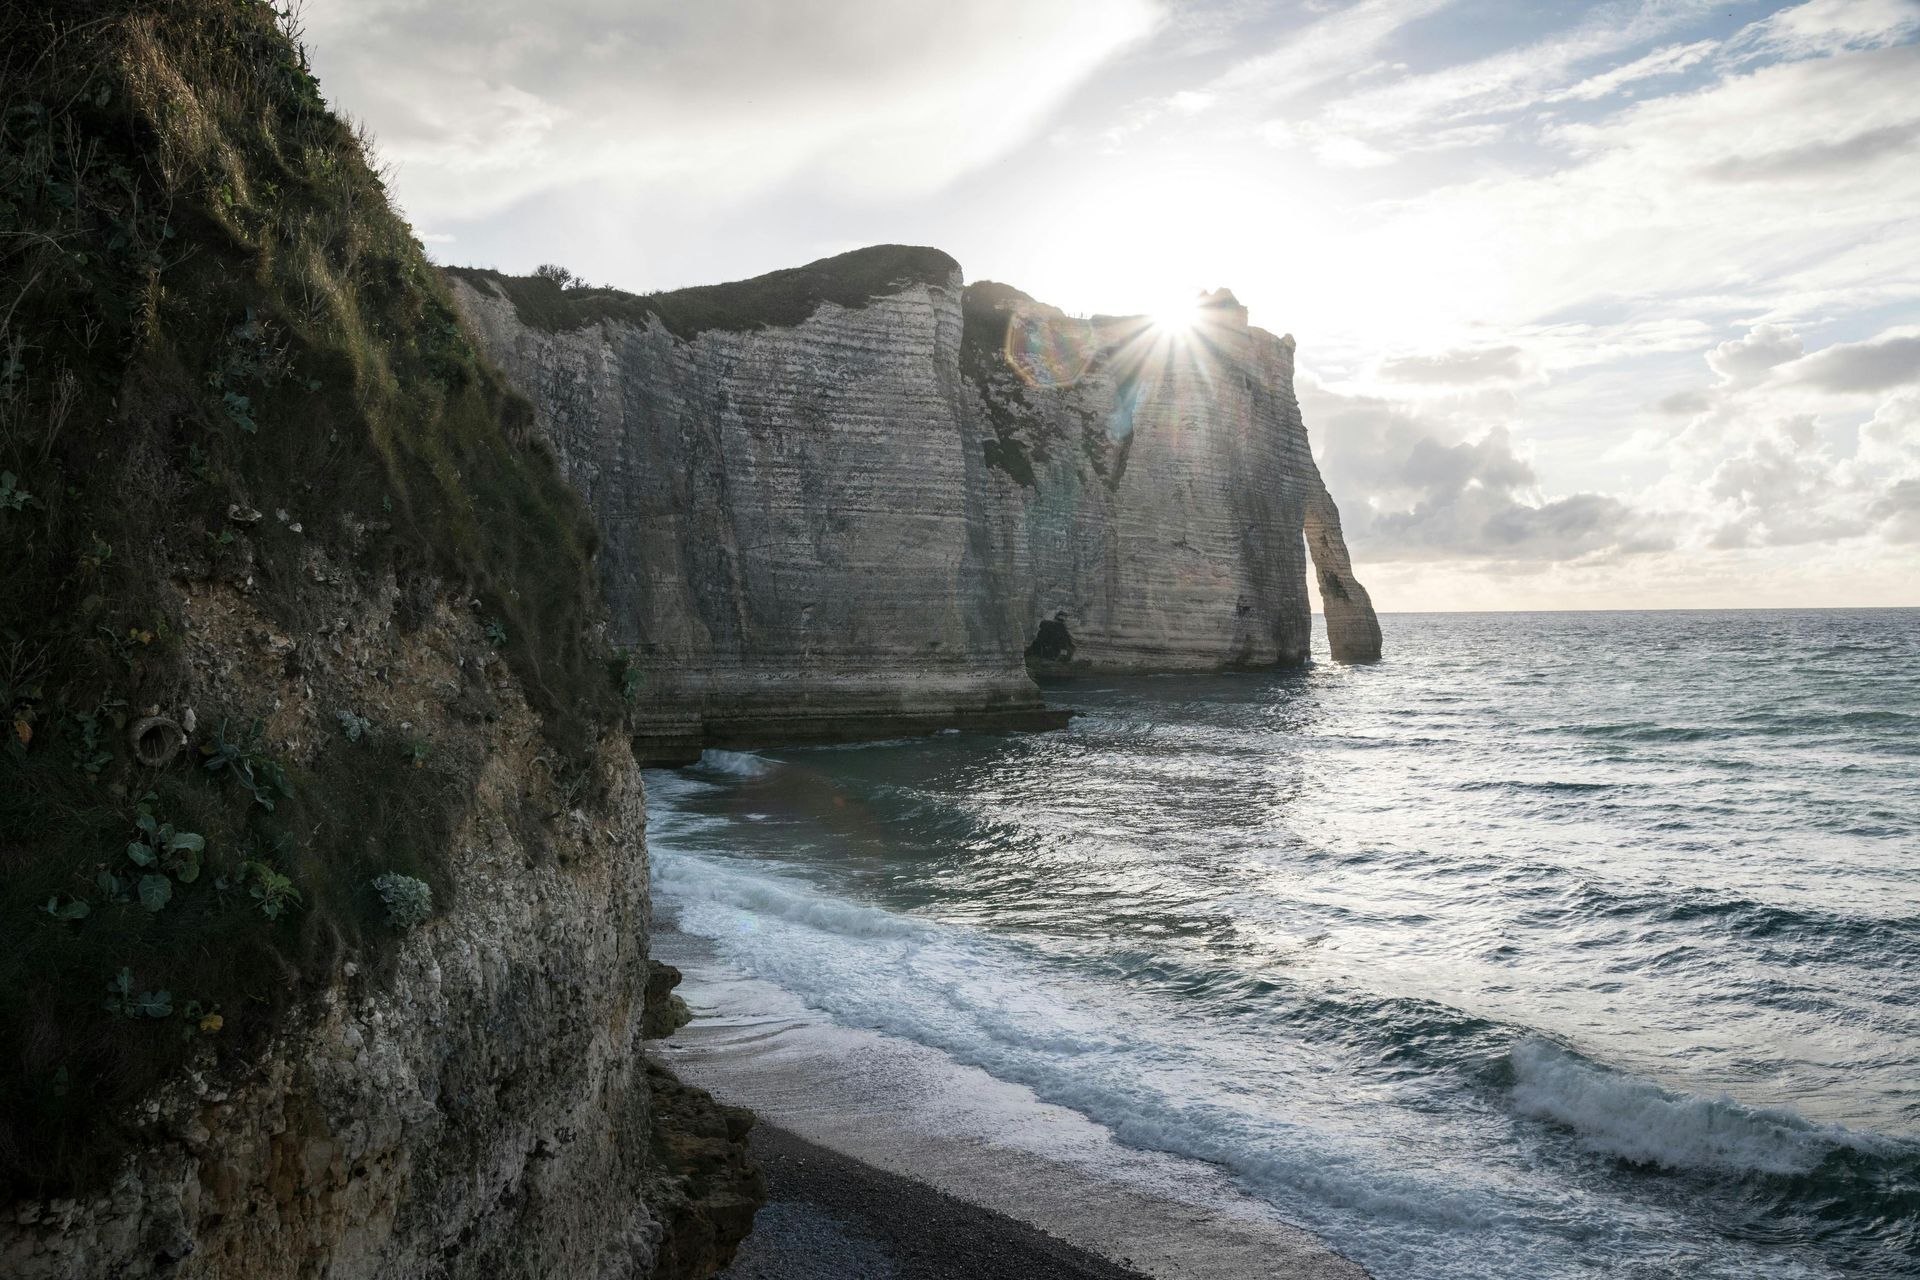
<point x="1560" y="944"/>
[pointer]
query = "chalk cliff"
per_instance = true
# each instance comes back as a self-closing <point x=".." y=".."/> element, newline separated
<point x="1151" y="484"/>
<point x="857" y="497"/>
<point x="791" y="514"/>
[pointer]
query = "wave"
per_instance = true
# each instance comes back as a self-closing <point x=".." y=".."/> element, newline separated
<point x="1641" y="1123"/>
<point x="736" y="764"/>
<point x="702" y="880"/>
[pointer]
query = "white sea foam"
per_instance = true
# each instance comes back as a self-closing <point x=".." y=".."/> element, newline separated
<point x="996" y="1003"/>
<point x="737" y="764"/>
<point x="1639" y="1121"/>
<point x="694" y="882"/>
<point x="990" y="1003"/>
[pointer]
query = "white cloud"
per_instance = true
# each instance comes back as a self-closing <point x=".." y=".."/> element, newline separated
<point x="1458" y="367"/>
<point x="1661" y="62"/>
<point x="1775" y="455"/>
<point x="1413" y="487"/>
<point x="1509" y="80"/>
<point x="1743" y="361"/>
<point x="1340" y="45"/>
<point x="719" y="99"/>
<point x="1822" y="27"/>
<point x="1890" y="360"/>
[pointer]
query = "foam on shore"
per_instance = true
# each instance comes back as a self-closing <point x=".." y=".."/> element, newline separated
<point x="914" y="1111"/>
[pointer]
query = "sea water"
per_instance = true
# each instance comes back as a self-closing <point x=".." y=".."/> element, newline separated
<point x="1553" y="945"/>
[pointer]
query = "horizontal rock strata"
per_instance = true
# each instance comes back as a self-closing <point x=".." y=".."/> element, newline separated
<point x="856" y="498"/>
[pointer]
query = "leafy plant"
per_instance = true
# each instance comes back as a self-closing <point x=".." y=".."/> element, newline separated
<point x="116" y="888"/>
<point x="205" y="1019"/>
<point x="417" y="752"/>
<point x="355" y="727"/>
<point x="627" y="678"/>
<point x="409" y="901"/>
<point x="124" y="647"/>
<point x="252" y="356"/>
<point x="164" y="855"/>
<point x="272" y="890"/>
<point x="71" y="909"/>
<point x="12" y="496"/>
<point x="242" y="760"/>
<point x="496" y="634"/>
<point x="90" y="754"/>
<point x="147" y="1004"/>
<point x="156" y="891"/>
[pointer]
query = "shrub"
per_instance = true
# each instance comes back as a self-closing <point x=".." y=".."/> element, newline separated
<point x="409" y="901"/>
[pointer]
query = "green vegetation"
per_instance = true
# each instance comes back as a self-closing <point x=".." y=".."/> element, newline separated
<point x="409" y="901"/>
<point x="553" y="298"/>
<point x="209" y="311"/>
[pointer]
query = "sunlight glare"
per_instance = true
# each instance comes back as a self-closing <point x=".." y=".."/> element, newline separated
<point x="1177" y="317"/>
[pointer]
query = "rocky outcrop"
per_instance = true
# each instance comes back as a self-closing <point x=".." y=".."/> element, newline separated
<point x="857" y="498"/>
<point x="477" y="1104"/>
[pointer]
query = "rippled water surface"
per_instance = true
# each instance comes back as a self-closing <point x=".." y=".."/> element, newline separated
<point x="1555" y="945"/>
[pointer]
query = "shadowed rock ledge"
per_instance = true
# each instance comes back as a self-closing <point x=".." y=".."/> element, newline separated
<point x="857" y="499"/>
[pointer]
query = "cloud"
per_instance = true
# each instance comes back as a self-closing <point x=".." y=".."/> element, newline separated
<point x="485" y="106"/>
<point x="1485" y="364"/>
<point x="1863" y="366"/>
<point x="1520" y="78"/>
<point x="1684" y="403"/>
<point x="1661" y="62"/>
<point x="1332" y="48"/>
<point x="1819" y="159"/>
<point x="1822" y="27"/>
<point x="1741" y="361"/>
<point x="1774" y="459"/>
<point x="1635" y="215"/>
<point x="1409" y="492"/>
<point x="1899" y="511"/>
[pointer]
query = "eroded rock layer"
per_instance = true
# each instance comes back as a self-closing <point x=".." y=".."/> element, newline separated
<point x="857" y="498"/>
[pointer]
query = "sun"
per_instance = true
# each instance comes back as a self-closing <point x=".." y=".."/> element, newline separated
<point x="1177" y="316"/>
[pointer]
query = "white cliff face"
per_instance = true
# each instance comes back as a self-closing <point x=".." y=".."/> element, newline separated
<point x="1151" y="485"/>
<point x="790" y="515"/>
<point x="1152" y="488"/>
<point x="857" y="520"/>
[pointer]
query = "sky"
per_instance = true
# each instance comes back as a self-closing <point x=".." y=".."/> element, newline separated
<point x="1599" y="305"/>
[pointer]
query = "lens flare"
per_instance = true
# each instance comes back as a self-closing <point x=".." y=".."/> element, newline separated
<point x="1047" y="348"/>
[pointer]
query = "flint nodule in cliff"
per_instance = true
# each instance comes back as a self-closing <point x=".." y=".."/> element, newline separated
<point x="858" y="497"/>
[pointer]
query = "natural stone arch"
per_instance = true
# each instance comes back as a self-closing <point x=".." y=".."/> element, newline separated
<point x="1353" y="631"/>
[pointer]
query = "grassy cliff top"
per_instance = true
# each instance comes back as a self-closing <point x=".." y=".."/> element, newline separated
<point x="779" y="299"/>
